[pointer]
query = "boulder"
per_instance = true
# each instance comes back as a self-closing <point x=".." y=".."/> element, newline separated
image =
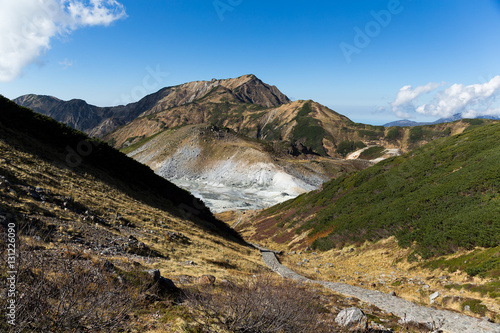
<point x="154" y="274"/>
<point x="433" y="297"/>
<point x="108" y="266"/>
<point x="410" y="320"/>
<point x="207" y="280"/>
<point x="165" y="285"/>
<point x="353" y="319"/>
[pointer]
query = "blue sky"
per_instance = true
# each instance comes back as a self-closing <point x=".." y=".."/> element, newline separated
<point x="449" y="47"/>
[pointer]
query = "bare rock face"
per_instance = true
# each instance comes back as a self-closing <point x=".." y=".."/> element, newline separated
<point x="353" y="319"/>
<point x="255" y="91"/>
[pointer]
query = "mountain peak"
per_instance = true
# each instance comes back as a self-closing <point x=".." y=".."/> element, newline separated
<point x="98" y="121"/>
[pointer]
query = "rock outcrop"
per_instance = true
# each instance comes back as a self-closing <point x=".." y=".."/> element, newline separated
<point x="353" y="319"/>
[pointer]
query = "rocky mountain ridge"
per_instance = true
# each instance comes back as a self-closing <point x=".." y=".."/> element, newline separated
<point x="98" y="121"/>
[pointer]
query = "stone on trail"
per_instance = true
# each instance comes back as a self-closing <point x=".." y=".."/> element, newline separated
<point x="411" y="320"/>
<point x="354" y="319"/>
<point x="433" y="297"/>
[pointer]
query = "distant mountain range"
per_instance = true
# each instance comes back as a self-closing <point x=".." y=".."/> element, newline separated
<point x="455" y="117"/>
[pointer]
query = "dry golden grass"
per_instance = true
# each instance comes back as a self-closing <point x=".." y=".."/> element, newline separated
<point x="383" y="266"/>
<point x="106" y="201"/>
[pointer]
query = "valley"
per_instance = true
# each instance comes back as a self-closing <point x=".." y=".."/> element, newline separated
<point x="239" y="143"/>
<point x="411" y="211"/>
<point x="236" y="166"/>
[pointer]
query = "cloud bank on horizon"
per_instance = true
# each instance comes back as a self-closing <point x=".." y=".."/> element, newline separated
<point x="28" y="26"/>
<point x="471" y="101"/>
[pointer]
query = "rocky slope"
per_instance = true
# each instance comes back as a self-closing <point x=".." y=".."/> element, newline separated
<point x="229" y="171"/>
<point x="86" y="216"/>
<point x="97" y="121"/>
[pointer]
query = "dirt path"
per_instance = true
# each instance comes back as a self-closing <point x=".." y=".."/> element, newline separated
<point x="451" y="322"/>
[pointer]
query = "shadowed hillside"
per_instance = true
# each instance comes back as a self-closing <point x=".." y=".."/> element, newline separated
<point x="71" y="149"/>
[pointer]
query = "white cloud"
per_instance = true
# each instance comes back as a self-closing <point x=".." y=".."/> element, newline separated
<point x="471" y="101"/>
<point x="65" y="64"/>
<point x="458" y="98"/>
<point x="27" y="27"/>
<point x="404" y="102"/>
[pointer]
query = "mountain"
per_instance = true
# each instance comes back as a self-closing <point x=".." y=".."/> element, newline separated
<point x="230" y="171"/>
<point x="245" y="105"/>
<point x="97" y="121"/>
<point x="435" y="199"/>
<point x="455" y="117"/>
<point x="406" y="123"/>
<point x="459" y="116"/>
<point x="266" y="148"/>
<point x="299" y="127"/>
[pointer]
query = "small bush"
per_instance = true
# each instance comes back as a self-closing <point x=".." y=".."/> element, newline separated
<point x="474" y="122"/>
<point x="59" y="294"/>
<point x="323" y="244"/>
<point x="258" y="305"/>
<point x="372" y="153"/>
<point x="370" y="135"/>
<point x="69" y="291"/>
<point x="475" y="306"/>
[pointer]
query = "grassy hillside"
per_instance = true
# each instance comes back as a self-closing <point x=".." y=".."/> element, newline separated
<point x="437" y="198"/>
<point x="43" y="136"/>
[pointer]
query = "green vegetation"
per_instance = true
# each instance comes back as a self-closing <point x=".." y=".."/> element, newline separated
<point x="220" y="112"/>
<point x="416" y="134"/>
<point x="308" y="131"/>
<point x="440" y="197"/>
<point x="371" y="135"/>
<point x="372" y="153"/>
<point x="475" y="306"/>
<point x="474" y="122"/>
<point x="492" y="289"/>
<point x="480" y="262"/>
<point x="428" y="132"/>
<point x="139" y="143"/>
<point x="270" y="132"/>
<point x="394" y="133"/>
<point x="346" y="147"/>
